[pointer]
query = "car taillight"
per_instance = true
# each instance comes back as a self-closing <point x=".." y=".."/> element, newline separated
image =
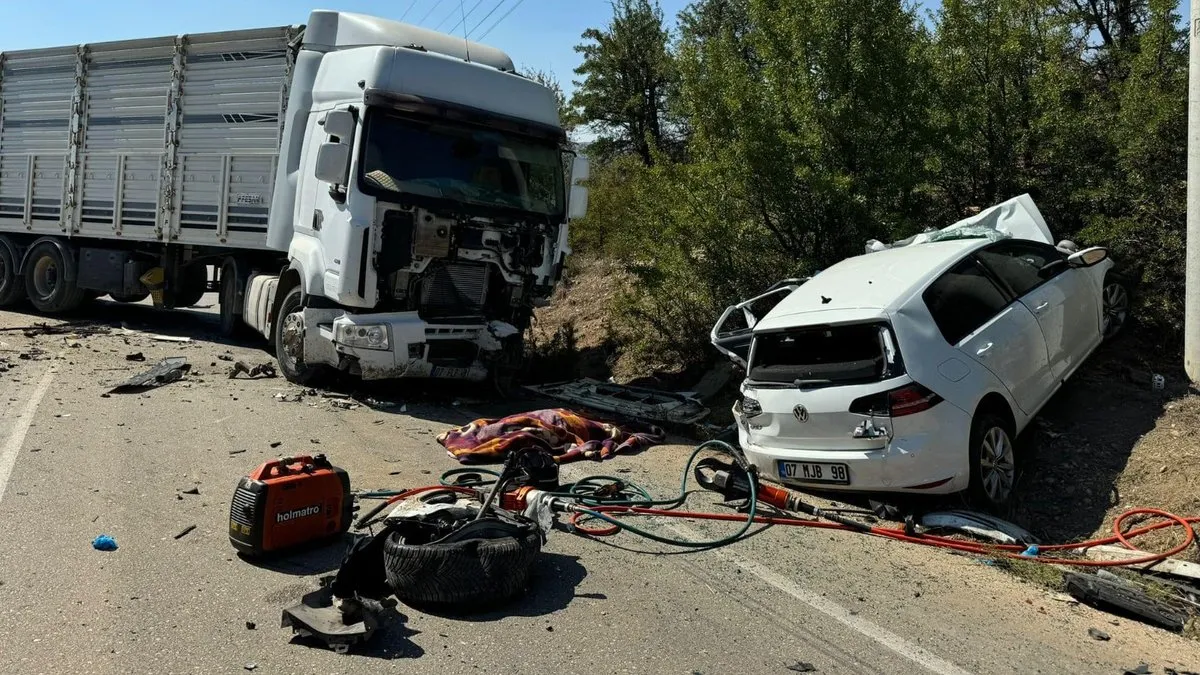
<point x="906" y="400"/>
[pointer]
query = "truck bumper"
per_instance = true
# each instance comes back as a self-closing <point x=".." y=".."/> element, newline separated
<point x="415" y="348"/>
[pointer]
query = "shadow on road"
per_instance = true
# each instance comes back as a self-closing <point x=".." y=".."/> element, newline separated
<point x="302" y="563"/>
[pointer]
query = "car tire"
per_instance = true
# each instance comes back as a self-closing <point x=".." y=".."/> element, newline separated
<point x="46" y="280"/>
<point x="469" y="574"/>
<point x="291" y="359"/>
<point x="1115" y="299"/>
<point x="12" y="286"/>
<point x="993" y="463"/>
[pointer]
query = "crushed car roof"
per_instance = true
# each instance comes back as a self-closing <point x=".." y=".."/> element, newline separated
<point x="864" y="286"/>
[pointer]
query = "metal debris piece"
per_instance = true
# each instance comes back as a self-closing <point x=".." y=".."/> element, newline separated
<point x="1097" y="634"/>
<point x="1111" y="591"/>
<point x="339" y="623"/>
<point x="1139" y="669"/>
<point x="802" y="667"/>
<point x="225" y="357"/>
<point x="191" y="491"/>
<point x="126" y="330"/>
<point x="978" y="525"/>
<point x="262" y="370"/>
<point x="344" y="404"/>
<point x="136" y="356"/>
<point x="237" y="452"/>
<point x="183" y="533"/>
<point x="637" y="403"/>
<point x="168" y="370"/>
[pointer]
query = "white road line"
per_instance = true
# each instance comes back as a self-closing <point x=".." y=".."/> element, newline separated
<point x="835" y="611"/>
<point x="12" y="445"/>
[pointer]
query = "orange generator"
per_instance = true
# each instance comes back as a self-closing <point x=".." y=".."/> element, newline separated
<point x="288" y="502"/>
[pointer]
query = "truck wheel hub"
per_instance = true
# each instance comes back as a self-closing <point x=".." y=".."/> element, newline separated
<point x="293" y="336"/>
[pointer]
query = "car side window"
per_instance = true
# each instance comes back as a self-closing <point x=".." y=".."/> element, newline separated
<point x="963" y="299"/>
<point x="1019" y="264"/>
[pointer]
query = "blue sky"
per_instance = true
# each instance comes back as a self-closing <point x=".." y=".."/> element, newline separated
<point x="536" y="33"/>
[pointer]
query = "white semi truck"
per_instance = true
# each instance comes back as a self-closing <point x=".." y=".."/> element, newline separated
<point x="373" y="197"/>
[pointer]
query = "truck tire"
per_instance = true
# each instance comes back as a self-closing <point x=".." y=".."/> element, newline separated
<point x="12" y="286"/>
<point x="289" y="347"/>
<point x="46" y="280"/>
<point x="231" y="316"/>
<point x="132" y="297"/>
<point x="193" y="285"/>
<point x="473" y="573"/>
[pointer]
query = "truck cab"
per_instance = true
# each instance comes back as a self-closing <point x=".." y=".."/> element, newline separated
<point x="422" y="198"/>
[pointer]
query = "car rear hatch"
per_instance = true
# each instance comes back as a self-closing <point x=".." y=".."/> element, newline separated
<point x="817" y="387"/>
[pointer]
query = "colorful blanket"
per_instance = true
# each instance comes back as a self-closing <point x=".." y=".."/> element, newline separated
<point x="567" y="435"/>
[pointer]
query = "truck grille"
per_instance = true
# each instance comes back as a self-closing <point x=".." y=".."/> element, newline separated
<point x="454" y="290"/>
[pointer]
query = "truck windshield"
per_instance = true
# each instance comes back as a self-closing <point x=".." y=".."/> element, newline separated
<point x="466" y="164"/>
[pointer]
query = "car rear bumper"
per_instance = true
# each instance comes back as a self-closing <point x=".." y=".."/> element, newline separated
<point x="933" y="462"/>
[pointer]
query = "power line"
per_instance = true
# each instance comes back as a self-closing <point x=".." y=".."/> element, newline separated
<point x="410" y="8"/>
<point x="453" y="11"/>
<point x="485" y="17"/>
<point x="435" y="6"/>
<point x="502" y="18"/>
<point x="464" y="17"/>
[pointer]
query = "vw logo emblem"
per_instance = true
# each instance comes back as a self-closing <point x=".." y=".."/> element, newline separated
<point x="801" y="413"/>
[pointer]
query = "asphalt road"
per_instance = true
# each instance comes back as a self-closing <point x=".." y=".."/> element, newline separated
<point x="74" y="465"/>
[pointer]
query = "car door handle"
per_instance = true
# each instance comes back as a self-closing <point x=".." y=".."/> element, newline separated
<point x="1042" y="306"/>
<point x="983" y="350"/>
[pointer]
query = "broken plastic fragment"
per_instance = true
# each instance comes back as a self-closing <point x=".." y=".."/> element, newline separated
<point x="104" y="543"/>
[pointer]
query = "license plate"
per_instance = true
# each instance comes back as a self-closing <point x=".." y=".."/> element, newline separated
<point x="815" y="472"/>
<point x="450" y="373"/>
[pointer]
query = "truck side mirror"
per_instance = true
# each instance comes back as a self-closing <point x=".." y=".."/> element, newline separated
<point x="339" y="123"/>
<point x="333" y="162"/>
<point x="578" y="203"/>
<point x="581" y="170"/>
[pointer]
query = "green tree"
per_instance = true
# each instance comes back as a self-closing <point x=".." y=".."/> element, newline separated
<point x="627" y="77"/>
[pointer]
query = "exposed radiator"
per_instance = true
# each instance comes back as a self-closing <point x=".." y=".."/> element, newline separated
<point x="455" y="289"/>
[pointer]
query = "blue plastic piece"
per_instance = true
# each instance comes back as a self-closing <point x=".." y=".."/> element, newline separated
<point x="104" y="543"/>
<point x="1031" y="552"/>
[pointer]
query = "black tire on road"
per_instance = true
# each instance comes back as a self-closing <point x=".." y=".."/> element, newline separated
<point x="231" y="317"/>
<point x="993" y="463"/>
<point x="474" y="573"/>
<point x="193" y="285"/>
<point x="46" y="280"/>
<point x="12" y="286"/>
<point x="133" y="297"/>
<point x="293" y="367"/>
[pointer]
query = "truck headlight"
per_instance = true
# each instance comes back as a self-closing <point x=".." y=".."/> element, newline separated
<point x="366" y="336"/>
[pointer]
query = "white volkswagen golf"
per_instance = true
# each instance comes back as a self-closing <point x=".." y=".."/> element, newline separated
<point x="913" y="369"/>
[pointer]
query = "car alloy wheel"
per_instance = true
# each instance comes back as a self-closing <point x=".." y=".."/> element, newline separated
<point x="997" y="465"/>
<point x="1116" y="308"/>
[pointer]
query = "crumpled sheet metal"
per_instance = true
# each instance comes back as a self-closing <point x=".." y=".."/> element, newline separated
<point x="979" y="525"/>
<point x="1018" y="218"/>
<point x="168" y="370"/>
<point x="639" y="403"/>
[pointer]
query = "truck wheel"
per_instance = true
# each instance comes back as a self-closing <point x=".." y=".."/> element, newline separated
<point x="132" y="297"/>
<point x="231" y="322"/>
<point x="12" y="287"/>
<point x="193" y="285"/>
<point x="46" y="280"/>
<point x="289" y="342"/>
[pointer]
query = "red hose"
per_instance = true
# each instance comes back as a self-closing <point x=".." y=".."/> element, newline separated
<point x="1003" y="550"/>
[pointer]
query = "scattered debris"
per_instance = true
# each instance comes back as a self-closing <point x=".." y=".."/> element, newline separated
<point x="340" y="623"/>
<point x="276" y="444"/>
<point x="637" y="403"/>
<point x="191" y="491"/>
<point x="1106" y="590"/>
<point x="250" y="625"/>
<point x="168" y="370"/>
<point x="802" y="667"/>
<point x="1179" y="568"/>
<point x="136" y="356"/>
<point x="58" y="329"/>
<point x="1139" y="669"/>
<point x="104" y="543"/>
<point x="126" y="330"/>
<point x="250" y="666"/>
<point x="225" y="357"/>
<point x="237" y="452"/>
<point x="262" y="370"/>
<point x="334" y="394"/>
<point x="978" y="525"/>
<point x="184" y="532"/>
<point x="344" y="404"/>
<point x="1098" y="634"/>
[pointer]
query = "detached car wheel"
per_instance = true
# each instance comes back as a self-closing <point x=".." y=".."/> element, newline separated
<point x="1116" y="303"/>
<point x="993" y="463"/>
<point x="471" y="573"/>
